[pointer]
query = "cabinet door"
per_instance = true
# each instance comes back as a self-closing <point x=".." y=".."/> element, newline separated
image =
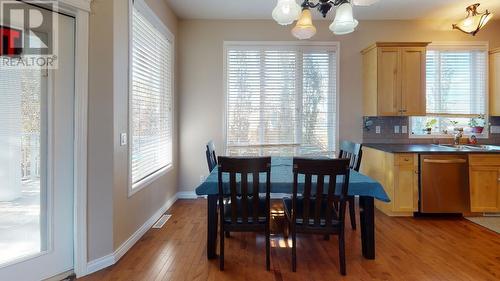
<point x="484" y="188"/>
<point x="413" y="81"/>
<point x="404" y="189"/>
<point x="389" y="82"/>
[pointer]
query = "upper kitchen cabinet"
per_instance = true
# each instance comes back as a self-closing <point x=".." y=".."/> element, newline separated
<point x="495" y="82"/>
<point x="394" y="79"/>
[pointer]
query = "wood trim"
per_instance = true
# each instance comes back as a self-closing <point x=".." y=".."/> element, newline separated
<point x="495" y="50"/>
<point x="394" y="44"/>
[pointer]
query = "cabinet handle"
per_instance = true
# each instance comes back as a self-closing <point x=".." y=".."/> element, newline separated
<point x="455" y="161"/>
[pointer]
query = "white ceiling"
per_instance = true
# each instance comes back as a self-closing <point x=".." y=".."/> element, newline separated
<point x="383" y="10"/>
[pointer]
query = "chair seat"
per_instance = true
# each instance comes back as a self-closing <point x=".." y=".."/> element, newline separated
<point x="287" y="203"/>
<point x="262" y="216"/>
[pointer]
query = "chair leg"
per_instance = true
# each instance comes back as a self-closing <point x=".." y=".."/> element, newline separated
<point x="294" y="249"/>
<point x="326" y="237"/>
<point x="286" y="229"/>
<point x="352" y="212"/>
<point x="221" y="251"/>
<point x="228" y="234"/>
<point x="268" y="248"/>
<point x="342" y="254"/>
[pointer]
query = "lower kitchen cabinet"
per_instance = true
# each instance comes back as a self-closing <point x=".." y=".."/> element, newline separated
<point x="484" y="177"/>
<point x="398" y="174"/>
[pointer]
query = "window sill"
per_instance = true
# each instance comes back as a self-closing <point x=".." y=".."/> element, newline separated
<point x="138" y="186"/>
<point x="412" y="136"/>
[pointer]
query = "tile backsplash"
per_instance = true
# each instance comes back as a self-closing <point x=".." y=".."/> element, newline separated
<point x="388" y="135"/>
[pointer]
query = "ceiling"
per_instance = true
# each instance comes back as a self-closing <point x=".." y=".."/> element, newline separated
<point x="383" y="10"/>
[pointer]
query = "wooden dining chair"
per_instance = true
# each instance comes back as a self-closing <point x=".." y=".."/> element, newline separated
<point x="352" y="151"/>
<point x="211" y="156"/>
<point x="242" y="207"/>
<point x="313" y="211"/>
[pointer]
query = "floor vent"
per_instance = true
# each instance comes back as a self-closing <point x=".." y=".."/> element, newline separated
<point x="161" y="222"/>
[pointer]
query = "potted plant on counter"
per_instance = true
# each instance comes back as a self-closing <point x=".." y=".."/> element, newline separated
<point x="429" y="124"/>
<point x="477" y="124"/>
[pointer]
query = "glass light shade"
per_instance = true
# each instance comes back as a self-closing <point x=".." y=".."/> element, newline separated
<point x="364" y="2"/>
<point x="473" y="22"/>
<point x="344" y="21"/>
<point x="304" y="29"/>
<point x="286" y="11"/>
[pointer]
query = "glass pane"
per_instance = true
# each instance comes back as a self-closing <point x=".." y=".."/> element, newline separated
<point x="22" y="163"/>
<point x="439" y="125"/>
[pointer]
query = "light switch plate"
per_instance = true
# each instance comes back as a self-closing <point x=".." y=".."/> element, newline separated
<point x="377" y="129"/>
<point x="396" y="129"/>
<point x="123" y="139"/>
<point x="404" y="129"/>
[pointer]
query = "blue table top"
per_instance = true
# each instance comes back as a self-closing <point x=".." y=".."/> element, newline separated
<point x="282" y="180"/>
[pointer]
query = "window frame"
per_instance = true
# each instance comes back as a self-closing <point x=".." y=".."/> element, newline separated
<point x="458" y="45"/>
<point x="153" y="19"/>
<point x="227" y="45"/>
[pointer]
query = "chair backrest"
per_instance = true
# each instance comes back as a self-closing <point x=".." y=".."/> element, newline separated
<point x="211" y="157"/>
<point x="353" y="152"/>
<point x="324" y="195"/>
<point x="241" y="192"/>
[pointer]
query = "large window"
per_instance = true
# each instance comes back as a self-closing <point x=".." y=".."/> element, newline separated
<point x="456" y="91"/>
<point x="150" y="96"/>
<point x="281" y="99"/>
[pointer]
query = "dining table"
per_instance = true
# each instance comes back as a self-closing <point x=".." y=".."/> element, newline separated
<point x="362" y="186"/>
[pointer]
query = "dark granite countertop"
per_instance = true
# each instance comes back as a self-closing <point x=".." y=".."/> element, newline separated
<point x="423" y="148"/>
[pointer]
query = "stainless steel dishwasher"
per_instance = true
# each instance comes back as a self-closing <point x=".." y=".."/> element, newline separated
<point x="444" y="183"/>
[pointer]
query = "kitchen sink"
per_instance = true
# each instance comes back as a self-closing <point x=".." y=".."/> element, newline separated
<point x="472" y="147"/>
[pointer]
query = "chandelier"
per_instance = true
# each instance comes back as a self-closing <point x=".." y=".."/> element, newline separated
<point x="287" y="11"/>
<point x="474" y="20"/>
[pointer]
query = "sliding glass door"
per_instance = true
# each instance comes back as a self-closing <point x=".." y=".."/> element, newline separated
<point x="36" y="161"/>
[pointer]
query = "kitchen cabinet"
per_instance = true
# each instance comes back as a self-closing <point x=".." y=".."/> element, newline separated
<point x="484" y="177"/>
<point x="495" y="82"/>
<point x="398" y="174"/>
<point x="394" y="79"/>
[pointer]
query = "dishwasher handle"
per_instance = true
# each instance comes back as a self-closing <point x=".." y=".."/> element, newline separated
<point x="447" y="161"/>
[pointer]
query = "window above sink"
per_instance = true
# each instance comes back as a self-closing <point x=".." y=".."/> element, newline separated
<point x="456" y="91"/>
<point x="442" y="126"/>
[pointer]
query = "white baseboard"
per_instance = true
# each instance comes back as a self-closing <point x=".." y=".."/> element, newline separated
<point x="114" y="257"/>
<point x="100" y="263"/>
<point x="187" y="195"/>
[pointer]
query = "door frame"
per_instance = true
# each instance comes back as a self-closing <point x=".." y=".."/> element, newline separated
<point x="80" y="10"/>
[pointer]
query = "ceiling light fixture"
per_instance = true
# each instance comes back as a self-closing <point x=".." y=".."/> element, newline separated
<point x="474" y="20"/>
<point x="287" y="11"/>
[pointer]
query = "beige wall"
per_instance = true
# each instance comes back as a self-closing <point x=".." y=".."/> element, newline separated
<point x="113" y="216"/>
<point x="130" y="213"/>
<point x="201" y="74"/>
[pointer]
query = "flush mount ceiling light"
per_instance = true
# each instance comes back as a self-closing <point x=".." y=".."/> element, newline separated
<point x="287" y="11"/>
<point x="474" y="20"/>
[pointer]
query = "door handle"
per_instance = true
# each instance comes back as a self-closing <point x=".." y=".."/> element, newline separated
<point x="442" y="161"/>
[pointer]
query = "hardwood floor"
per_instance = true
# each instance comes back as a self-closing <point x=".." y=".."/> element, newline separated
<point x="407" y="249"/>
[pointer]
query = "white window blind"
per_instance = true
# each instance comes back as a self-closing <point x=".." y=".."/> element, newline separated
<point x="280" y="100"/>
<point x="151" y="98"/>
<point x="456" y="82"/>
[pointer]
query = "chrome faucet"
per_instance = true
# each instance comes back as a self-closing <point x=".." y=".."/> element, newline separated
<point x="458" y="135"/>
